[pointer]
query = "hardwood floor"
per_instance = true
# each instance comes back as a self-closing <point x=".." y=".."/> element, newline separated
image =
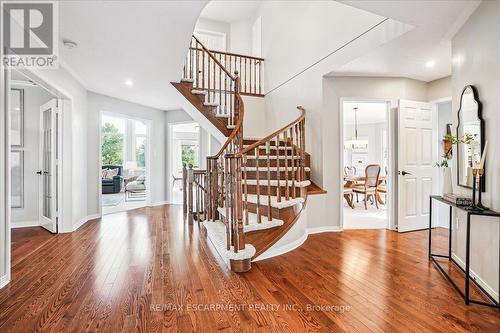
<point x="146" y="270"/>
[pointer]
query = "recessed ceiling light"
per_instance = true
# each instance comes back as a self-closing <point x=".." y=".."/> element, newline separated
<point x="129" y="83"/>
<point x="430" y="64"/>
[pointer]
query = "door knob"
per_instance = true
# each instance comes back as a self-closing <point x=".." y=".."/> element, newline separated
<point x="404" y="173"/>
<point x="39" y="172"/>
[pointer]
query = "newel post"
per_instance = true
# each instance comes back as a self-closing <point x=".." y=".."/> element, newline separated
<point x="190" y="181"/>
<point x="184" y="189"/>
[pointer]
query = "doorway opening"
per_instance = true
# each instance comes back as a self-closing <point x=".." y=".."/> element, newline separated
<point x="185" y="150"/>
<point x="366" y="164"/>
<point x="35" y="161"/>
<point x="124" y="163"/>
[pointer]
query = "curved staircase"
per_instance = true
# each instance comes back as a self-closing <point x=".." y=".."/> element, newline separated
<point x="253" y="191"/>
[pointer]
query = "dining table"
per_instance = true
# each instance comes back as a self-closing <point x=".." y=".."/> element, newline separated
<point x="351" y="181"/>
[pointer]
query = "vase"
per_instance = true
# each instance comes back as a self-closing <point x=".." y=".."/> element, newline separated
<point x="447" y="181"/>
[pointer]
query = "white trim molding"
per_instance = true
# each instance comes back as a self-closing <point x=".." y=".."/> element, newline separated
<point x="319" y="230"/>
<point x="4" y="280"/>
<point x="24" y="224"/>
<point x="490" y="290"/>
<point x="86" y="219"/>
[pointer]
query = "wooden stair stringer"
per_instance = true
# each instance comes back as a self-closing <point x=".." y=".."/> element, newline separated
<point x="197" y="101"/>
<point x="262" y="240"/>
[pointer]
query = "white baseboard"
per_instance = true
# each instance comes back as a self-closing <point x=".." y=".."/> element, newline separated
<point x="77" y="225"/>
<point x="4" y="280"/>
<point x="24" y="224"/>
<point x="159" y="203"/>
<point x="477" y="278"/>
<point x="318" y="230"/>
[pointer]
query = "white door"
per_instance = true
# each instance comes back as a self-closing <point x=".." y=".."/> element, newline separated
<point x="48" y="166"/>
<point x="417" y="156"/>
<point x="214" y="41"/>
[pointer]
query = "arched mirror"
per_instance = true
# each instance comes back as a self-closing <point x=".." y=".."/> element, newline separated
<point x="470" y="124"/>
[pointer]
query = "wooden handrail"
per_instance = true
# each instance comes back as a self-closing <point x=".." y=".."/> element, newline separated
<point x="274" y="134"/>
<point x="231" y="54"/>
<point x="210" y="54"/>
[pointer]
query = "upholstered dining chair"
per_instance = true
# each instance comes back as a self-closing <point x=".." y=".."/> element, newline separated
<point x="369" y="188"/>
<point x="382" y="187"/>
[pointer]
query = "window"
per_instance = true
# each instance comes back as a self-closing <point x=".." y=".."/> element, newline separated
<point x="140" y="144"/>
<point x="112" y="140"/>
<point x="190" y="154"/>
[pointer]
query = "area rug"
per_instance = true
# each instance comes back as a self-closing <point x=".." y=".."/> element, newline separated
<point x="109" y="200"/>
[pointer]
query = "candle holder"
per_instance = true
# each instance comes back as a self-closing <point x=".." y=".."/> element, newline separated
<point x="476" y="174"/>
<point x="480" y="174"/>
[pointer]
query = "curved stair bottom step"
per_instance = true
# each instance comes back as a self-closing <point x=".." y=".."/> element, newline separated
<point x="238" y="262"/>
<point x="253" y="225"/>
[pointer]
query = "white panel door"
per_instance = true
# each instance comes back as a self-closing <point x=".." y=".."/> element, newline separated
<point x="417" y="156"/>
<point x="48" y="166"/>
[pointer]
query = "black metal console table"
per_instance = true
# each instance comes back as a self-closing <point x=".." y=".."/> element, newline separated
<point x="432" y="256"/>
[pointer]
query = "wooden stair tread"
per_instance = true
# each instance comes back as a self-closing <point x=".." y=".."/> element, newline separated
<point x="274" y="182"/>
<point x="253" y="225"/>
<point x="314" y="189"/>
<point x="252" y="198"/>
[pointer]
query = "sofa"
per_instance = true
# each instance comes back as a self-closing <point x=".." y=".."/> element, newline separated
<point x="135" y="187"/>
<point x="113" y="185"/>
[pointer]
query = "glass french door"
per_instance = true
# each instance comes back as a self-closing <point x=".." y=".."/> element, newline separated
<point x="48" y="166"/>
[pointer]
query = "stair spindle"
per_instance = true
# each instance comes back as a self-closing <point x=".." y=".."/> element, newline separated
<point x="245" y="201"/>
<point x="293" y="161"/>
<point x="278" y="171"/>
<point x="287" y="189"/>
<point x="269" y="210"/>
<point x="257" y="177"/>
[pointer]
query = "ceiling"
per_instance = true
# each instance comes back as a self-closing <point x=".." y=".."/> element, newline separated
<point x="230" y="11"/>
<point x="368" y="113"/>
<point x="128" y="40"/>
<point x="435" y="23"/>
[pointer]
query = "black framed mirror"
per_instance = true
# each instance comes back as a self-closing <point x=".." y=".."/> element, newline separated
<point x="471" y="123"/>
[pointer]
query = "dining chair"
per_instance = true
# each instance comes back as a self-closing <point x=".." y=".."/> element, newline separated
<point x="382" y="187"/>
<point x="369" y="188"/>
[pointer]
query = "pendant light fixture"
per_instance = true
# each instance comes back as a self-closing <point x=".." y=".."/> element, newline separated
<point x="356" y="143"/>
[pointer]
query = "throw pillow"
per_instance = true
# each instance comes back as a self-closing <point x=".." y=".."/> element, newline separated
<point x="111" y="173"/>
<point x="104" y="173"/>
<point x="141" y="179"/>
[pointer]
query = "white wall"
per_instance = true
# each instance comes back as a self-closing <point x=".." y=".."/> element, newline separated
<point x="98" y="103"/>
<point x="444" y="117"/>
<point x="475" y="51"/>
<point x="438" y="89"/>
<point x="241" y="37"/>
<point x="34" y="98"/>
<point x="254" y="121"/>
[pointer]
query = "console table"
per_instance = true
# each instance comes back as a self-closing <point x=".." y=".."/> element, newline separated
<point x="432" y="256"/>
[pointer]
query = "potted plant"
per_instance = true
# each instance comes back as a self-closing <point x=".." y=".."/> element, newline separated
<point x="448" y="141"/>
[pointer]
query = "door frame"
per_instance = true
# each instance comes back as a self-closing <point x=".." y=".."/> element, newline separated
<point x="5" y="235"/>
<point x="170" y="151"/>
<point x="391" y="157"/>
<point x="65" y="222"/>
<point x="148" y="124"/>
